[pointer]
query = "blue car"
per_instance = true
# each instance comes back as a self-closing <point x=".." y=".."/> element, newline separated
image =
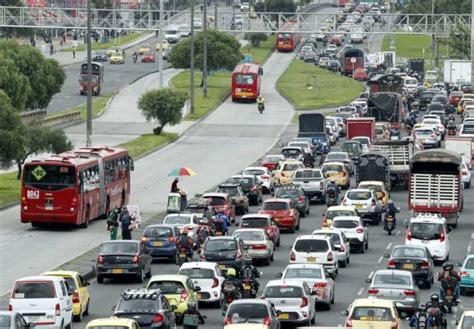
<point x="467" y="274"/>
<point x="160" y="240"/>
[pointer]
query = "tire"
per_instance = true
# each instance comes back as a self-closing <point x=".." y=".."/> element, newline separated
<point x="272" y="257"/>
<point x="86" y="311"/>
<point x="333" y="296"/>
<point x="86" y="221"/>
<point x="267" y="261"/>
<point x="367" y="245"/>
<point x="307" y="211"/>
<point x="62" y="325"/>
<point x="348" y="260"/>
<point x="303" y="214"/>
<point x="342" y="264"/>
<point x="468" y="185"/>
<point x="78" y="318"/>
<point x="141" y="276"/>
<point x="362" y="249"/>
<point x="149" y="274"/>
<point x="100" y="278"/>
<point x="427" y="284"/>
<point x="292" y="230"/>
<point x="278" y="242"/>
<point x="69" y="326"/>
<point x="298" y="226"/>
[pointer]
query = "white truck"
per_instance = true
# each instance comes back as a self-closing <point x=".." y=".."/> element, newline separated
<point x="357" y="34"/>
<point x="456" y="70"/>
<point x="388" y="58"/>
<point x="462" y="146"/>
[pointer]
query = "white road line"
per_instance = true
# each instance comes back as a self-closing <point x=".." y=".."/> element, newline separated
<point x="371" y="274"/>
<point x="360" y="291"/>
<point x="405" y="221"/>
<point x="472" y="236"/>
<point x="469" y="249"/>
<point x="380" y="260"/>
<point x="389" y="245"/>
<point x="398" y="232"/>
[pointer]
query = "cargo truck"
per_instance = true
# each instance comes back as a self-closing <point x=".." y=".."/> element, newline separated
<point x="462" y="146"/>
<point x="360" y="127"/>
<point x="457" y="70"/>
<point x="436" y="185"/>
<point x="372" y="166"/>
<point x="313" y="125"/>
<point x="386" y="107"/>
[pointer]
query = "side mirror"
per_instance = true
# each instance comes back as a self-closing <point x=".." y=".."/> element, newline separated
<point x="197" y="288"/>
<point x="386" y="255"/>
<point x="368" y="280"/>
<point x="332" y="275"/>
<point x="87" y="283"/>
<point x="345" y="313"/>
<point x="260" y="273"/>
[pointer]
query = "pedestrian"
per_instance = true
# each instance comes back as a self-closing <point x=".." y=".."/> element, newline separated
<point x="33" y="42"/>
<point x="51" y="48"/>
<point x="126" y="223"/>
<point x="74" y="52"/>
<point x="63" y="36"/>
<point x="112" y="222"/>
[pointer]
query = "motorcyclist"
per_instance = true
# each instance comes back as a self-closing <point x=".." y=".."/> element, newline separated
<point x="249" y="272"/>
<point x="449" y="272"/>
<point x="233" y="280"/>
<point x="436" y="309"/>
<point x="260" y="101"/>
<point x="308" y="159"/>
<point x="324" y="153"/>
<point x="224" y="220"/>
<point x="391" y="211"/>
<point x="192" y="310"/>
<point x="185" y="242"/>
<point x="135" y="56"/>
<point x="332" y="186"/>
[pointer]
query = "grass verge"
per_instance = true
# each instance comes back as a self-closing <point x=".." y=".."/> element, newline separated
<point x="309" y="87"/>
<point x="146" y="143"/>
<point x="106" y="45"/>
<point x="260" y="54"/>
<point x="9" y="188"/>
<point x="98" y="104"/>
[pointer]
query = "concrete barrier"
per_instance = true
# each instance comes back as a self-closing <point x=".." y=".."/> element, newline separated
<point x="61" y="118"/>
<point x="32" y="115"/>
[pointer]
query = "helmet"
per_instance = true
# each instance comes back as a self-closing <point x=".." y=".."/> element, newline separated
<point x="231" y="272"/>
<point x="191" y="306"/>
<point x="185" y="230"/>
<point x="448" y="266"/>
<point x="390" y="202"/>
<point x="248" y="261"/>
<point x="434" y="298"/>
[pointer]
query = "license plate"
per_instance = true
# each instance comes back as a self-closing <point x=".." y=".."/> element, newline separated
<point x="221" y="267"/>
<point x="449" y="297"/>
<point x="182" y="255"/>
<point x="157" y="244"/>
<point x="33" y="319"/>
<point x="200" y="296"/>
<point x="311" y="259"/>
<point x="408" y="266"/>
<point x="247" y="287"/>
<point x="218" y="233"/>
<point x="48" y="207"/>
<point x="358" y="206"/>
<point x="283" y="316"/>
<point x="117" y="270"/>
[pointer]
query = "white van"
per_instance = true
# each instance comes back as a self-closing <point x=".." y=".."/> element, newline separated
<point x="43" y="300"/>
<point x="172" y="34"/>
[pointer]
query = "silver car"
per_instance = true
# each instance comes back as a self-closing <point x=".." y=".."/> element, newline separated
<point x="366" y="203"/>
<point x="396" y="285"/>
<point x="318" y="279"/>
<point x="260" y="246"/>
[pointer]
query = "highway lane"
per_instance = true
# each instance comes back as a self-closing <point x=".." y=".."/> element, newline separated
<point x="350" y="283"/>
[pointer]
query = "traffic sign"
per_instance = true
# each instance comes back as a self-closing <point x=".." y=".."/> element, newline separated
<point x="353" y="60"/>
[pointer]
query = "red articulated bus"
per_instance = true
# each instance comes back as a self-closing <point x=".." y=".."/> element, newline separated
<point x="246" y="82"/>
<point x="75" y="187"/>
<point x="342" y="3"/>
<point x="288" y="37"/>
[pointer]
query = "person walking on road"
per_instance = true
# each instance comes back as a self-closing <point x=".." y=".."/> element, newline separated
<point x="126" y="222"/>
<point x="74" y="52"/>
<point x="112" y="223"/>
<point x="51" y="48"/>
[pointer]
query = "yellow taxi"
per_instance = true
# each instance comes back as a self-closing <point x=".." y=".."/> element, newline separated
<point x="80" y="297"/>
<point x="113" y="323"/>
<point x="179" y="290"/>
<point x="164" y="44"/>
<point x="466" y="99"/>
<point x="372" y="313"/>
<point x="335" y="211"/>
<point x="144" y="48"/>
<point x="284" y="173"/>
<point x="338" y="172"/>
<point x="466" y="320"/>
<point x="113" y="50"/>
<point x="117" y="58"/>
<point x="380" y="190"/>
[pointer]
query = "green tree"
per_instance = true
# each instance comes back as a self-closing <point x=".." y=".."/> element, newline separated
<point x="223" y="52"/>
<point x="255" y="38"/>
<point x="276" y="6"/>
<point x="164" y="105"/>
<point x="459" y="41"/>
<point x="10" y="132"/>
<point x="441" y="7"/>
<point x="14" y="83"/>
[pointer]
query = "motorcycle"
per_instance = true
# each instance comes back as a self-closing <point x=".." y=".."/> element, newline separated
<point x="231" y="293"/>
<point x="451" y="130"/>
<point x="203" y="233"/>
<point x="261" y="107"/>
<point x="436" y="318"/>
<point x="389" y="225"/>
<point x="419" y="320"/>
<point x="219" y="229"/>
<point x="331" y="199"/>
<point x="308" y="164"/>
<point x="250" y="289"/>
<point x="449" y="286"/>
<point x="183" y="256"/>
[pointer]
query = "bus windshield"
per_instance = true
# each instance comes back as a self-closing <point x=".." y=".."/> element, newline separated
<point x="284" y="36"/>
<point x="244" y="79"/>
<point x="52" y="177"/>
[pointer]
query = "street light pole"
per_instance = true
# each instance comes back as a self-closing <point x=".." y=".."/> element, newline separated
<point x="191" y="82"/>
<point x="160" y="42"/>
<point x="215" y="14"/>
<point x="204" y="64"/>
<point x="472" y="41"/>
<point x="432" y="34"/>
<point x="89" y="78"/>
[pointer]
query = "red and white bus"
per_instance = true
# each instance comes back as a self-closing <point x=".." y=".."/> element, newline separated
<point x="75" y="187"/>
<point x="288" y="37"/>
<point x="342" y="3"/>
<point x="246" y="81"/>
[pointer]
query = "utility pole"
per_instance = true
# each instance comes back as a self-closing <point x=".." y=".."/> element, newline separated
<point x="215" y="14"/>
<point x="89" y="77"/>
<point x="204" y="64"/>
<point x="432" y="28"/>
<point x="160" y="42"/>
<point x="191" y="82"/>
<point x="472" y="41"/>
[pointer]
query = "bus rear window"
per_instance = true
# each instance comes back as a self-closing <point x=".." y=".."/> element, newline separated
<point x="244" y="79"/>
<point x="53" y="176"/>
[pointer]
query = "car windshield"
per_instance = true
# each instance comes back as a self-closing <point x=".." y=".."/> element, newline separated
<point x="375" y="187"/>
<point x="358" y="195"/>
<point x="467" y="322"/>
<point x="197" y="273"/>
<point x="423" y="132"/>
<point x="283" y="292"/>
<point x="254" y="222"/>
<point x="302" y="145"/>
<point x="33" y="290"/>
<point x="250" y="235"/>
<point x="333" y="213"/>
<point x="256" y="172"/>
<point x="230" y="190"/>
<point x="469" y="264"/>
<point x="345" y="224"/>
<point x="287" y="193"/>
<point x="167" y="287"/>
<point x="177" y="220"/>
<point x="303" y="273"/>
<point x="409" y="252"/>
<point x="392" y="279"/>
<point x="244" y="79"/>
<point x="350" y="147"/>
<point x="119" y="248"/>
<point x="247" y="181"/>
<point x="332" y="168"/>
<point x="291" y="152"/>
<point x="308" y="174"/>
<point x="426" y="231"/>
<point x="275" y="206"/>
<point x="311" y="245"/>
<point x="53" y="177"/>
<point x="366" y="313"/>
<point x="220" y="245"/>
<point x="468" y="129"/>
<point x="107" y="327"/>
<point x="158" y="232"/>
<point x="172" y="32"/>
<point x="291" y="167"/>
<point x="361" y="140"/>
<point x="336" y="157"/>
<point x="333" y="236"/>
<point x="270" y="159"/>
<point x="217" y="201"/>
<point x="430" y="122"/>
<point x="5" y="321"/>
<point x="136" y="304"/>
<point x="248" y="310"/>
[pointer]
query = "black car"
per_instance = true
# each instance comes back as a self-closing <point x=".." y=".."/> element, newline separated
<point x="251" y="187"/>
<point x="149" y="307"/>
<point x="237" y="195"/>
<point x="123" y="258"/>
<point x="425" y="99"/>
<point x="202" y="208"/>
<point x="226" y="251"/>
<point x="416" y="259"/>
<point x="99" y="56"/>
<point x="334" y="65"/>
<point x="295" y="193"/>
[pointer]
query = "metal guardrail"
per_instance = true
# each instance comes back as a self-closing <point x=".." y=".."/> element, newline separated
<point x="61" y="118"/>
<point x="32" y="115"/>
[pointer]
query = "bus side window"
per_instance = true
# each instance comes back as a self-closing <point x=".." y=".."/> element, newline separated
<point x="131" y="164"/>
<point x="81" y="182"/>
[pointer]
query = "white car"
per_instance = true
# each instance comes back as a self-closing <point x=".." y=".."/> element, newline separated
<point x="43" y="301"/>
<point x="184" y="30"/>
<point x="466" y="130"/>
<point x="191" y="221"/>
<point x="318" y="279"/>
<point x="260" y="246"/>
<point x="264" y="176"/>
<point x="429" y="230"/>
<point x="340" y="242"/>
<point x="466" y="175"/>
<point x="332" y="122"/>
<point x="208" y="277"/>
<point x="410" y="84"/>
<point x="313" y="249"/>
<point x="366" y="202"/>
<point x="342" y="126"/>
<point x="354" y="229"/>
<point x="306" y="146"/>
<point x="436" y="123"/>
<point x="364" y="141"/>
<point x="347" y="109"/>
<point x="292" y="300"/>
<point x="172" y="34"/>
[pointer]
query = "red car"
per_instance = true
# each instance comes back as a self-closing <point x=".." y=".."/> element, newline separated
<point x="271" y="161"/>
<point x="335" y="41"/>
<point x="265" y="222"/>
<point x="360" y="74"/>
<point x="221" y="202"/>
<point x="284" y="213"/>
<point x="455" y="97"/>
<point x="148" y="58"/>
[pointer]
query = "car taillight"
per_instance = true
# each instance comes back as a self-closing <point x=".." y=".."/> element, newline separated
<point x="57" y="310"/>
<point x="269" y="231"/>
<point x="75" y="297"/>
<point x="409" y="292"/>
<point x="292" y="256"/>
<point x="319" y="285"/>
<point x="344" y="202"/>
<point x="100" y="260"/>
<point x="183" y="296"/>
<point x="409" y="233"/>
<point x="215" y="283"/>
<point x="301" y="199"/>
<point x="344" y="174"/>
<point x="349" y="322"/>
<point x="433" y="135"/>
<point x="265" y="177"/>
<point x="135" y="259"/>
<point x="391" y="263"/>
<point x="373" y="203"/>
<point x="202" y="258"/>
<point x="424" y="265"/>
<point x="321" y="186"/>
<point x="330" y="257"/>
<point x="227" y="321"/>
<point x="373" y="291"/>
<point x="442" y="236"/>
<point x="465" y="274"/>
<point x="158" y="318"/>
<point x="171" y="239"/>
<point x="267" y="321"/>
<point x="254" y="188"/>
<point x="341" y="248"/>
<point x="464" y="173"/>
<point x="394" y="325"/>
<point x="259" y="247"/>
<point x="10" y="307"/>
<point x="304" y="302"/>
<point x="360" y="230"/>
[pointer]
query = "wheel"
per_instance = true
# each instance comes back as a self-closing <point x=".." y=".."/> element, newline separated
<point x="292" y="230"/>
<point x="427" y="284"/>
<point x="78" y="317"/>
<point x="148" y="274"/>
<point x="272" y="257"/>
<point x="450" y="308"/>
<point x="278" y="242"/>
<point x="389" y="232"/>
<point x="86" y="220"/>
<point x="69" y="326"/>
<point x="141" y="276"/>
<point x="86" y="311"/>
<point x="462" y="291"/>
<point x="62" y="325"/>
<point x="342" y="264"/>
<point x="267" y="261"/>
<point x="303" y="214"/>
<point x="468" y="185"/>
<point x="333" y="294"/>
<point x="367" y="245"/>
<point x="307" y="211"/>
<point x="100" y="278"/>
<point x="298" y="226"/>
<point x="362" y="248"/>
<point x="348" y="260"/>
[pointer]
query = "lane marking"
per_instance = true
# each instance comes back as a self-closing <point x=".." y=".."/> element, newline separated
<point x="398" y="233"/>
<point x="472" y="236"/>
<point x="371" y="274"/>
<point x="405" y="221"/>
<point x="360" y="291"/>
<point x="469" y="249"/>
<point x="380" y="260"/>
<point x="389" y="245"/>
